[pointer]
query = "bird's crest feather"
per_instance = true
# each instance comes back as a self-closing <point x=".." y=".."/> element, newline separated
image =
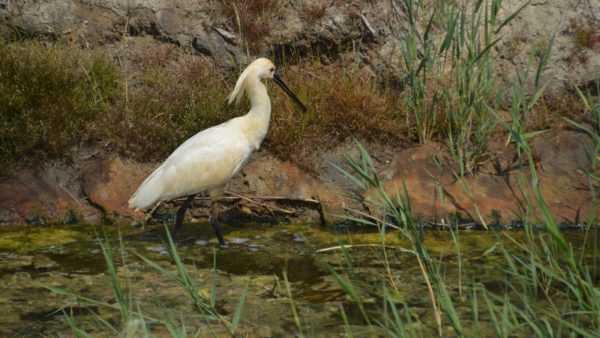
<point x="240" y="86"/>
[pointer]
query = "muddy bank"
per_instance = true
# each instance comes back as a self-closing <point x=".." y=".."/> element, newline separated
<point x="96" y="189"/>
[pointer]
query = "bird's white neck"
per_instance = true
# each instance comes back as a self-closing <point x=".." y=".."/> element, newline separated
<point x="260" y="104"/>
<point x="260" y="111"/>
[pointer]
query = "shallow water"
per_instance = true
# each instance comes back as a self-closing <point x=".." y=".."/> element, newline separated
<point x="70" y="257"/>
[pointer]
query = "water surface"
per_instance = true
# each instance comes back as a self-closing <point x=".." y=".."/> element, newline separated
<point x="70" y="257"/>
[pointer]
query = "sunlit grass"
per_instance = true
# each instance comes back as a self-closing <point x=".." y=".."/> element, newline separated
<point x="59" y="96"/>
<point x="49" y="96"/>
<point x="56" y="97"/>
<point x="453" y="90"/>
<point x="547" y="289"/>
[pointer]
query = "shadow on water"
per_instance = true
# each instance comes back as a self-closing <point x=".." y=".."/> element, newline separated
<point x="252" y="249"/>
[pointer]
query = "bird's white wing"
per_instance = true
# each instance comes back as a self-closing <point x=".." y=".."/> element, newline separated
<point x="206" y="137"/>
<point x="204" y="162"/>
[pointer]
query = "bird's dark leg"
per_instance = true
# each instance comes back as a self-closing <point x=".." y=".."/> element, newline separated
<point x="214" y="222"/>
<point x="181" y="213"/>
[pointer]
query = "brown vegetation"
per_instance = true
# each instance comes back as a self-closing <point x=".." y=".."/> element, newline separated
<point x="54" y="97"/>
<point x="313" y="11"/>
<point x="340" y="105"/>
<point x="253" y="19"/>
<point x="586" y="36"/>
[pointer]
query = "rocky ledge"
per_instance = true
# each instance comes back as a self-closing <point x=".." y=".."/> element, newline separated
<point x="93" y="189"/>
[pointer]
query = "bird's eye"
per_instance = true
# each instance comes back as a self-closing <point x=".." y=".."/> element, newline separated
<point x="272" y="69"/>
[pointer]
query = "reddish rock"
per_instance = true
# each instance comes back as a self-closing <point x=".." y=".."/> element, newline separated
<point x="494" y="190"/>
<point x="265" y="176"/>
<point x="109" y="183"/>
<point x="103" y="187"/>
<point x="42" y="196"/>
<point x="563" y="166"/>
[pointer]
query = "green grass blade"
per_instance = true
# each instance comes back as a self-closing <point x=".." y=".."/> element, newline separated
<point x="238" y="310"/>
<point x="347" y="327"/>
<point x="512" y="16"/>
<point x="77" y="332"/>
<point x="544" y="60"/>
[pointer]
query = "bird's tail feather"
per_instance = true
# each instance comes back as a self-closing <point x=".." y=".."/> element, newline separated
<point x="148" y="193"/>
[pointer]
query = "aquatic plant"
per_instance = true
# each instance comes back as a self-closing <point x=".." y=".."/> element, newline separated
<point x="549" y="290"/>
<point x="132" y="317"/>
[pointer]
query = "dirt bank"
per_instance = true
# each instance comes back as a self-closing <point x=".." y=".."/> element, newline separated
<point x="96" y="189"/>
<point x="162" y="71"/>
<point x="318" y="28"/>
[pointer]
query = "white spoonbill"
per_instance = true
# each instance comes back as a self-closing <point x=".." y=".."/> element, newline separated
<point x="209" y="159"/>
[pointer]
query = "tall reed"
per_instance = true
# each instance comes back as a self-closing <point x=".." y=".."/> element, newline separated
<point x="131" y="315"/>
<point x="549" y="289"/>
<point x="452" y="88"/>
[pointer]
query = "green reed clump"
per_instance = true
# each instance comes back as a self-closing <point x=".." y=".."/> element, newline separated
<point x="453" y="91"/>
<point x="547" y="289"/>
<point x="50" y="93"/>
<point x="132" y="319"/>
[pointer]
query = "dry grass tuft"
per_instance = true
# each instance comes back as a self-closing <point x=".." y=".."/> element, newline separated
<point x="252" y="18"/>
<point x="548" y="113"/>
<point x="586" y="37"/>
<point x="340" y="105"/>
<point x="313" y="11"/>
<point x="586" y="34"/>
<point x="49" y="95"/>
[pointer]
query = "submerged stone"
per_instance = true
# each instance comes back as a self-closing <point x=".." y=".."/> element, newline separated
<point x="201" y="242"/>
<point x="238" y="240"/>
<point x="43" y="262"/>
<point x="160" y="249"/>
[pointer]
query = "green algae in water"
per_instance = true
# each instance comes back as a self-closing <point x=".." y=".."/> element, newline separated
<point x="37" y="238"/>
<point x="258" y="253"/>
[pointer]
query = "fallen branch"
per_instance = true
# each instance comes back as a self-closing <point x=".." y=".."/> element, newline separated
<point x="70" y="195"/>
<point x="261" y="198"/>
<point x="364" y="214"/>
<point x="264" y="205"/>
<point x="357" y="246"/>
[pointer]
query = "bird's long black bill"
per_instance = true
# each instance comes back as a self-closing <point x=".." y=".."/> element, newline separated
<point x="285" y="88"/>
